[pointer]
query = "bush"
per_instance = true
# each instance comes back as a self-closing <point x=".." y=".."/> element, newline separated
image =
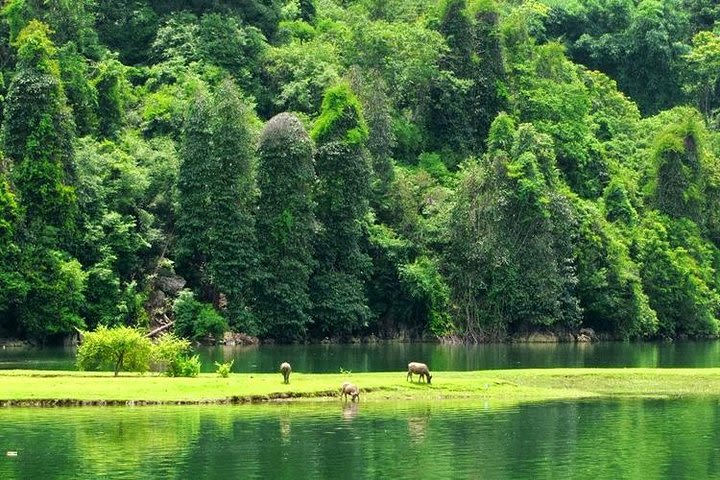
<point x="223" y="369"/>
<point x="195" y="320"/>
<point x="120" y="348"/>
<point x="186" y="367"/>
<point x="168" y="353"/>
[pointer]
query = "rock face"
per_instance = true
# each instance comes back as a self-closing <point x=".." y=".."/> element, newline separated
<point x="169" y="283"/>
<point x="588" y="332"/>
<point x="539" y="337"/>
<point x="582" y="338"/>
<point x="231" y="338"/>
<point x="166" y="286"/>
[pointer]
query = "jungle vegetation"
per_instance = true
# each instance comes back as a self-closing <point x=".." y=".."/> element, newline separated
<point x="303" y="169"/>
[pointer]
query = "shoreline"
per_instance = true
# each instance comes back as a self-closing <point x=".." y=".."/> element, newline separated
<point x="33" y="388"/>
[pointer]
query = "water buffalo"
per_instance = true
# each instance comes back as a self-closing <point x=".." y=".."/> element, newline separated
<point x="348" y="388"/>
<point x="418" y="369"/>
<point x="286" y="369"/>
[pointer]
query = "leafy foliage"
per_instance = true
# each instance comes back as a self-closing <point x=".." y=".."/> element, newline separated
<point x="286" y="222"/>
<point x="224" y="369"/>
<point x="117" y="349"/>
<point x="216" y="195"/>
<point x="172" y="355"/>
<point x="474" y="169"/>
<point x="343" y="170"/>
<point x="196" y="320"/>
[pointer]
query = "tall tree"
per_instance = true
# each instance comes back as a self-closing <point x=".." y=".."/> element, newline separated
<point x="38" y="134"/>
<point x="111" y="95"/>
<point x="491" y="91"/>
<point x="37" y="138"/>
<point x="343" y="168"/>
<point x="216" y="194"/>
<point x="376" y="104"/>
<point x="680" y="176"/>
<point x="509" y="261"/>
<point x="704" y="72"/>
<point x="286" y="223"/>
<point x="449" y="124"/>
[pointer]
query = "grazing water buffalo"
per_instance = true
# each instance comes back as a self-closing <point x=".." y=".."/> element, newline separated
<point x="286" y="369"/>
<point x="418" y="369"/>
<point x="350" y="389"/>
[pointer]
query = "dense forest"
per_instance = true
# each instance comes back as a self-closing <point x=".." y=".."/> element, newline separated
<point x="303" y="169"/>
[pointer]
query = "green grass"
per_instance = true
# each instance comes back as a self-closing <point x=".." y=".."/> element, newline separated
<point x="27" y="387"/>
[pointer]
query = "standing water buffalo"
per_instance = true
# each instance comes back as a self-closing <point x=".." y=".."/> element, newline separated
<point x="350" y="389"/>
<point x="418" y="369"/>
<point x="286" y="369"/>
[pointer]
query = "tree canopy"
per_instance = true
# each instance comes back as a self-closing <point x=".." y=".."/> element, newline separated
<point x="307" y="169"/>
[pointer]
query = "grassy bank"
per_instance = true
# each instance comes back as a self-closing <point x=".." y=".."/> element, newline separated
<point x="29" y="387"/>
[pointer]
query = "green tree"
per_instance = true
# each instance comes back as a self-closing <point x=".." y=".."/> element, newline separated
<point x="372" y="93"/>
<point x="286" y="223"/>
<point x="13" y="287"/>
<point x="37" y="134"/>
<point x="173" y="356"/>
<point x="82" y="96"/>
<point x="509" y="262"/>
<point x="112" y="88"/>
<point x="703" y="73"/>
<point x="216" y="195"/>
<point x="54" y="296"/>
<point x="678" y="276"/>
<point x="491" y="92"/>
<point x="449" y="125"/>
<point x="118" y="349"/>
<point x="307" y="10"/>
<point x="652" y="34"/>
<point x="680" y="173"/>
<point x="609" y="287"/>
<point x="128" y="27"/>
<point x="197" y="320"/>
<point x="37" y="138"/>
<point x="69" y="20"/>
<point x="298" y="73"/>
<point x="343" y="169"/>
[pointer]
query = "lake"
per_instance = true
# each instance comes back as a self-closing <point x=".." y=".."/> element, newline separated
<point x="395" y="356"/>
<point x="633" y="438"/>
<point x="586" y="439"/>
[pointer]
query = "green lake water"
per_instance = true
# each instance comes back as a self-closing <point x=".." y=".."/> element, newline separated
<point x="643" y="439"/>
<point x="395" y="356"/>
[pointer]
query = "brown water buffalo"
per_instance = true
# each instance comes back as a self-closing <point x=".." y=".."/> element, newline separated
<point x="348" y="388"/>
<point x="285" y="368"/>
<point x="418" y="369"/>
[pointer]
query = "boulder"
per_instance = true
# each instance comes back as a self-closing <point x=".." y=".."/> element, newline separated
<point x="542" y="337"/>
<point x="232" y="338"/>
<point x="582" y="338"/>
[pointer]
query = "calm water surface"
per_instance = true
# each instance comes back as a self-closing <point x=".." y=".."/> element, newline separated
<point x="642" y="439"/>
<point x="395" y="356"/>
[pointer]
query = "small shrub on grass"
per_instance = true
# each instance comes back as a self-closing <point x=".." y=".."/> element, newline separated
<point x="223" y="369"/>
<point x="172" y="355"/>
<point x="188" y="366"/>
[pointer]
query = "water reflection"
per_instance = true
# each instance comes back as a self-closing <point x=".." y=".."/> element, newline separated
<point x="395" y="356"/>
<point x="350" y="411"/>
<point x="285" y="428"/>
<point x="590" y="439"/>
